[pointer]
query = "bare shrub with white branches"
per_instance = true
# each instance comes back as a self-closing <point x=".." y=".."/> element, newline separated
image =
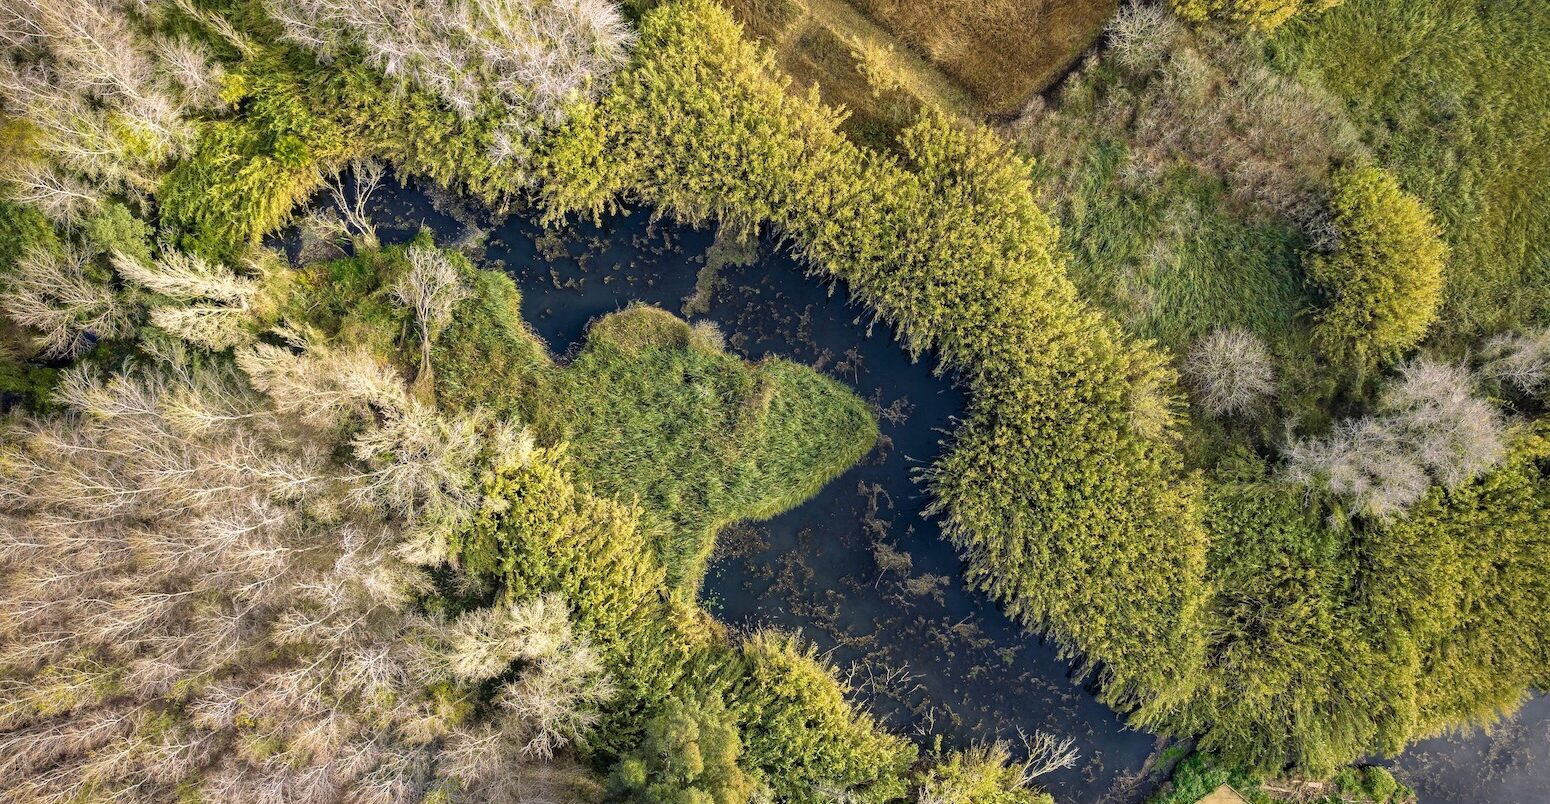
<point x="201" y="597"/>
<point x="209" y="305"/>
<point x="1429" y="427"/>
<point x="354" y="204"/>
<point x="533" y="58"/>
<point x="1231" y="372"/>
<point x="1520" y="360"/>
<point x="107" y="105"/>
<point x="1141" y="34"/>
<point x="52" y="293"/>
<point x="989" y="771"/>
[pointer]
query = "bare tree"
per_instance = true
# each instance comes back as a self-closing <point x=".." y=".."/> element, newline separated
<point x="1044" y="753"/>
<point x="1141" y="34"/>
<point x="1429" y="426"/>
<point x="198" y="598"/>
<point x="105" y="107"/>
<point x="1520" y="360"/>
<point x="354" y="205"/>
<point x="50" y="292"/>
<point x="431" y="288"/>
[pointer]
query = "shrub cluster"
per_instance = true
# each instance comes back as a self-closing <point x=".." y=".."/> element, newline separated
<point x="1330" y="640"/>
<point x="1384" y="279"/>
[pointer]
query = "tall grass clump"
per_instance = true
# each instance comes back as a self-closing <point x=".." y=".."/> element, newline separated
<point x="1072" y="510"/>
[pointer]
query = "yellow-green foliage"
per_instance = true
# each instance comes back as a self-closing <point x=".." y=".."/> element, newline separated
<point x="800" y="724"/>
<point x="1327" y="643"/>
<point x="1385" y="278"/>
<point x="689" y="754"/>
<point x="798" y="732"/>
<point x="1265" y="15"/>
<point x="1071" y="508"/>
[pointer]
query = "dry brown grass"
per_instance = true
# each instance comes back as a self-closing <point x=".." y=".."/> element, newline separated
<point x="1001" y="50"/>
<point x="854" y="63"/>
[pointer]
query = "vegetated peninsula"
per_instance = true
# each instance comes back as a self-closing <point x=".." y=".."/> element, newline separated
<point x="1244" y="307"/>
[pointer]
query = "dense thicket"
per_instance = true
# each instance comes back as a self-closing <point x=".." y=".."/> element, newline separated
<point x="1061" y="487"/>
<point x="1328" y="642"/>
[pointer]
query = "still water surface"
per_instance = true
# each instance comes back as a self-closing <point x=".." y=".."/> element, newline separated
<point x="927" y="656"/>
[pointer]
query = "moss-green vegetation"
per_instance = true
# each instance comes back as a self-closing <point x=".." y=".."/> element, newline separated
<point x="655" y="410"/>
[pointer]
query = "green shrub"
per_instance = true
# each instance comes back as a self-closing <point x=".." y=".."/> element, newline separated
<point x="1264" y="15"/>
<point x="1385" y="278"/>
<point x="1069" y="503"/>
<point x="689" y="754"/>
<point x="1199" y="774"/>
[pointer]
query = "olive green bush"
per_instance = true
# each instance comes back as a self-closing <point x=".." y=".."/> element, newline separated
<point x="1384" y="279"/>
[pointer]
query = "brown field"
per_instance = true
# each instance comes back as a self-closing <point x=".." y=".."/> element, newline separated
<point x="1001" y="50"/>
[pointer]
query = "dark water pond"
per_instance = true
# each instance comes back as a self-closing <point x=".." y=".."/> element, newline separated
<point x="927" y="656"/>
